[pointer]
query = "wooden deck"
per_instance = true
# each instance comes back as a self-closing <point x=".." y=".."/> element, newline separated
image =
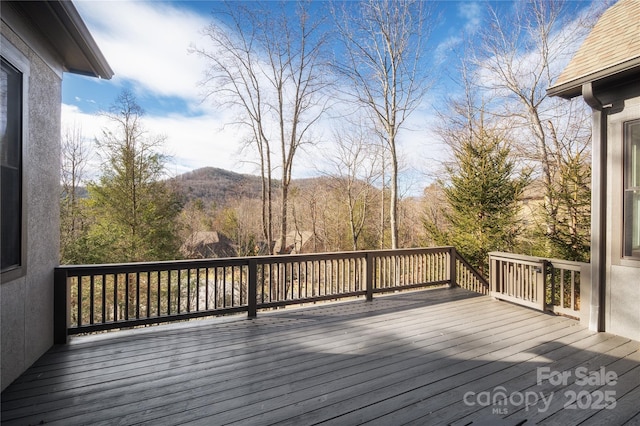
<point x="442" y="356"/>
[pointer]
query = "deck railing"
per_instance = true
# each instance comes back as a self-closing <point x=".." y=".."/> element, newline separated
<point x="543" y="284"/>
<point x="468" y="277"/>
<point x="92" y="298"/>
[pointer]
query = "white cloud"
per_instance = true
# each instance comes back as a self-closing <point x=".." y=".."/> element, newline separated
<point x="445" y="47"/>
<point x="147" y="43"/>
<point x="472" y="14"/>
<point x="470" y="22"/>
<point x="191" y="142"/>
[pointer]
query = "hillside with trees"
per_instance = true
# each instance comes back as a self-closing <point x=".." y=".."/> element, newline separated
<point x="217" y="186"/>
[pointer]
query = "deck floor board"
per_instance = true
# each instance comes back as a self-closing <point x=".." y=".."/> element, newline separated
<point x="408" y="358"/>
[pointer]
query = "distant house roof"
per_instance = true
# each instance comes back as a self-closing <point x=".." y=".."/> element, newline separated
<point x="611" y="49"/>
<point x="61" y="24"/>
<point x="207" y="244"/>
<point x="298" y="241"/>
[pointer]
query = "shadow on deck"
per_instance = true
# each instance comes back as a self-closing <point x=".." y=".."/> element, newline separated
<point x="439" y="356"/>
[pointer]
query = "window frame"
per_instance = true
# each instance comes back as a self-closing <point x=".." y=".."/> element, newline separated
<point x="628" y="252"/>
<point x="20" y="62"/>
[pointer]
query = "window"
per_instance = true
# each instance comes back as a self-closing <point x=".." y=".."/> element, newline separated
<point x="11" y="130"/>
<point x="632" y="189"/>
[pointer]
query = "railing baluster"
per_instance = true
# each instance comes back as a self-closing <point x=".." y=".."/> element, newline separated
<point x="126" y="296"/>
<point x="169" y="292"/>
<point x="113" y="307"/>
<point x="573" y="290"/>
<point x="91" y="298"/>
<point x="138" y="295"/>
<point x="104" y="298"/>
<point x="240" y="295"/>
<point x="179" y="294"/>
<point x="233" y="285"/>
<point x="215" y="288"/>
<point x="188" y="290"/>
<point x="79" y="321"/>
<point x="206" y="289"/>
<point x="158" y="295"/>
<point x="225" y="296"/>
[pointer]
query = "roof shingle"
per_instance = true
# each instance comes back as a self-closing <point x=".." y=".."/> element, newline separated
<point x="612" y="46"/>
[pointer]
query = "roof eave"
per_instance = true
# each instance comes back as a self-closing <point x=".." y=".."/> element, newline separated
<point x="573" y="88"/>
<point x="84" y="40"/>
<point x="63" y="27"/>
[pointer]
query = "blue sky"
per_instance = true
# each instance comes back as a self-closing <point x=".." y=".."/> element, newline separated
<point x="146" y="44"/>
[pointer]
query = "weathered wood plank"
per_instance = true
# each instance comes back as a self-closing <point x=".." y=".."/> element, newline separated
<point x="464" y="366"/>
<point x="401" y="359"/>
<point x="295" y="390"/>
<point x="262" y="335"/>
<point x="444" y="406"/>
<point x="585" y="406"/>
<point x="305" y="365"/>
<point x="580" y="353"/>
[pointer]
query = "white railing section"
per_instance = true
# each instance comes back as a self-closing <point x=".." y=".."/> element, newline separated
<point x="544" y="284"/>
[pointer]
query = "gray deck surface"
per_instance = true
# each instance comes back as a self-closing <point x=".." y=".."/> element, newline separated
<point x="442" y="356"/>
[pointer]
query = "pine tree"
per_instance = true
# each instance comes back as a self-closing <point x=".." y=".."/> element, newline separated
<point x="482" y="196"/>
<point x="134" y="207"/>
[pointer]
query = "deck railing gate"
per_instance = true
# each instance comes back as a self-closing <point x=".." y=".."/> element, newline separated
<point x="545" y="284"/>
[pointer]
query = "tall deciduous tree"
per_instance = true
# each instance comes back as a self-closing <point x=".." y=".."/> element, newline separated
<point x="134" y="206"/>
<point x="74" y="221"/>
<point x="520" y="55"/>
<point x="268" y="62"/>
<point x="383" y="43"/>
<point x="354" y="170"/>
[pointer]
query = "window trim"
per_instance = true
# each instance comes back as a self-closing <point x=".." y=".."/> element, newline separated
<point x="19" y="61"/>
<point x="626" y="158"/>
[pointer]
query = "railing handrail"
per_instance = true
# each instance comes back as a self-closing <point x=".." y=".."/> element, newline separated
<point x="536" y="259"/>
<point x="152" y="292"/>
<point x="473" y="271"/>
<point x="74" y="270"/>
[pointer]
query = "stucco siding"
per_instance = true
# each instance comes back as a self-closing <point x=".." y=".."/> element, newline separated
<point x="26" y="303"/>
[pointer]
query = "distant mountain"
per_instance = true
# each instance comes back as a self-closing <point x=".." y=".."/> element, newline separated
<point x="217" y="185"/>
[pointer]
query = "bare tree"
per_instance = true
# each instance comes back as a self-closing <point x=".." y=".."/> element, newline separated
<point x="74" y="161"/>
<point x="354" y="170"/>
<point x="383" y="62"/>
<point x="520" y="56"/>
<point x="268" y="62"/>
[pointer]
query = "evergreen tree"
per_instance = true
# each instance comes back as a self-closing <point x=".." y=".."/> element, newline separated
<point x="572" y="190"/>
<point x="482" y="196"/>
<point x="134" y="208"/>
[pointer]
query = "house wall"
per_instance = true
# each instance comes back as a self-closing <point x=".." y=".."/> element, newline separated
<point x="26" y="302"/>
<point x="622" y="288"/>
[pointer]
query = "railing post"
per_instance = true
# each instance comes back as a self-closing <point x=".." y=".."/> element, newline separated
<point x="541" y="294"/>
<point x="493" y="275"/>
<point x="369" y="282"/>
<point x="585" y="294"/>
<point x="452" y="267"/>
<point x="253" y="289"/>
<point x="61" y="313"/>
